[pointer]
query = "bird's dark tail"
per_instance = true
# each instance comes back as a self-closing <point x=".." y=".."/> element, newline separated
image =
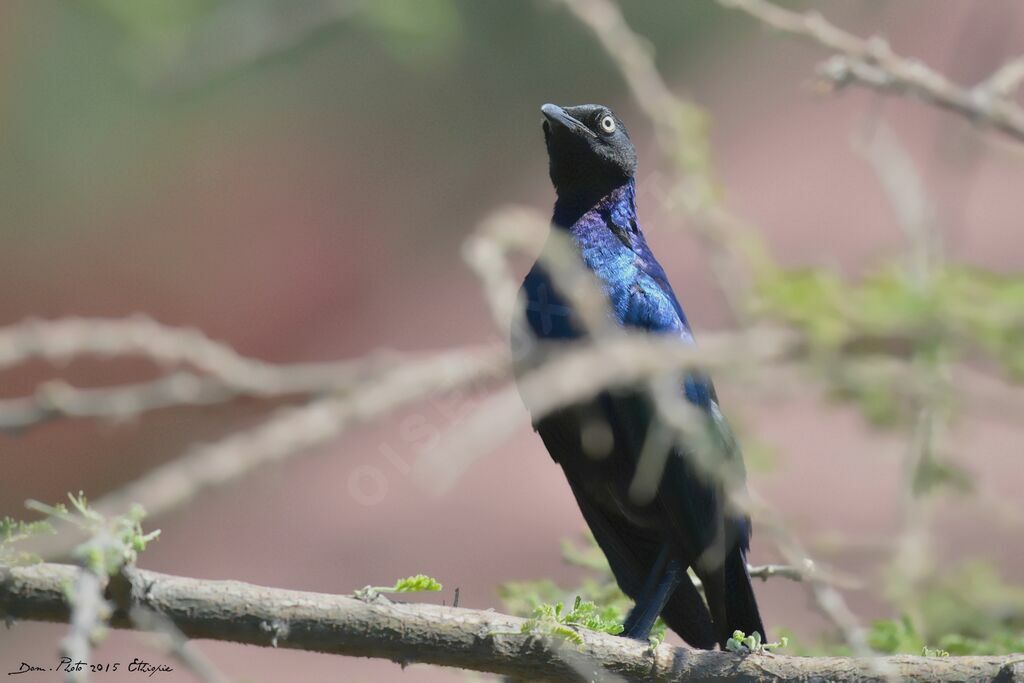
<point x="687" y="615"/>
<point x="740" y="604"/>
<point x="731" y="598"/>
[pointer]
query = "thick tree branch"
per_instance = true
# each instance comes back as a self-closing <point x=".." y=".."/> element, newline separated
<point x="446" y="636"/>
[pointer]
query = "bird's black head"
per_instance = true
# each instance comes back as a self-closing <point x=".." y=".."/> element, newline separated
<point x="589" y="150"/>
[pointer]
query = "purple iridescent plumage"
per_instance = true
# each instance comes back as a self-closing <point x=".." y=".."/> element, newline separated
<point x="683" y="518"/>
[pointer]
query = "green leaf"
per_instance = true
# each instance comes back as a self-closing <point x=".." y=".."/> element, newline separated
<point x="413" y="584"/>
<point x="417" y="584"/>
<point x="741" y="643"/>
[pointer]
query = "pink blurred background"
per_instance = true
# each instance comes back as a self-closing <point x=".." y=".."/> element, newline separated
<point x="309" y="201"/>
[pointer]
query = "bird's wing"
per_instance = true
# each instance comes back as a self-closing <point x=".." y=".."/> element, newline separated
<point x="631" y="549"/>
<point x="691" y="494"/>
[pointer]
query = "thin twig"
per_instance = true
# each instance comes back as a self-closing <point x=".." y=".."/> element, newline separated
<point x="1007" y="79"/>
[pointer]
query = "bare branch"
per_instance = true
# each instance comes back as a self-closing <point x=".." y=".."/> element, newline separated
<point x="872" y="63"/>
<point x="447" y="636"/>
<point x="57" y="399"/>
<point x="59" y="341"/>
<point x="288" y="432"/>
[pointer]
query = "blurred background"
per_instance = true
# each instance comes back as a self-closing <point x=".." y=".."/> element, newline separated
<point x="296" y="179"/>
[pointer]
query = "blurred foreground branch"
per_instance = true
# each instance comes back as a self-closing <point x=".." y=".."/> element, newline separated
<point x="339" y="395"/>
<point x="286" y="433"/>
<point x="446" y="636"/>
<point x="216" y="372"/>
<point x="872" y="63"/>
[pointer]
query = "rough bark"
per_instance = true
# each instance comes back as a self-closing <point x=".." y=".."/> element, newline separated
<point x="446" y="636"/>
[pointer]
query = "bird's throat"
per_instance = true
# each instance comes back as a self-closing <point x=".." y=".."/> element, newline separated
<point x="571" y="207"/>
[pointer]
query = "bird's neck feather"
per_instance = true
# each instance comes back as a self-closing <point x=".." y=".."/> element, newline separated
<point x="577" y="207"/>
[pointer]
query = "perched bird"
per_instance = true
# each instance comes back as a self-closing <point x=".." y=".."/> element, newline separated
<point x="686" y="521"/>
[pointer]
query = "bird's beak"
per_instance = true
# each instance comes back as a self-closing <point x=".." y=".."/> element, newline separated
<point x="558" y="116"/>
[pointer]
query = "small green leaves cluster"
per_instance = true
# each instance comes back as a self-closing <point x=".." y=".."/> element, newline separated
<point x="741" y="643"/>
<point x="555" y="620"/>
<point x="113" y="542"/>
<point x="534" y="599"/>
<point x="417" y="584"/>
<point x="420" y="583"/>
<point x="13" y="531"/>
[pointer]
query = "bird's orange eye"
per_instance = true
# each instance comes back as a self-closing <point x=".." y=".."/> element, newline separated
<point x="608" y="124"/>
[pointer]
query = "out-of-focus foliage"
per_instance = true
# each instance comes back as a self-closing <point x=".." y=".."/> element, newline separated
<point x="421" y="34"/>
<point x="13" y="531"/>
<point x="855" y="327"/>
<point x="155" y="23"/>
<point x="969" y="611"/>
<point x="972" y="610"/>
<point x="958" y="310"/>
